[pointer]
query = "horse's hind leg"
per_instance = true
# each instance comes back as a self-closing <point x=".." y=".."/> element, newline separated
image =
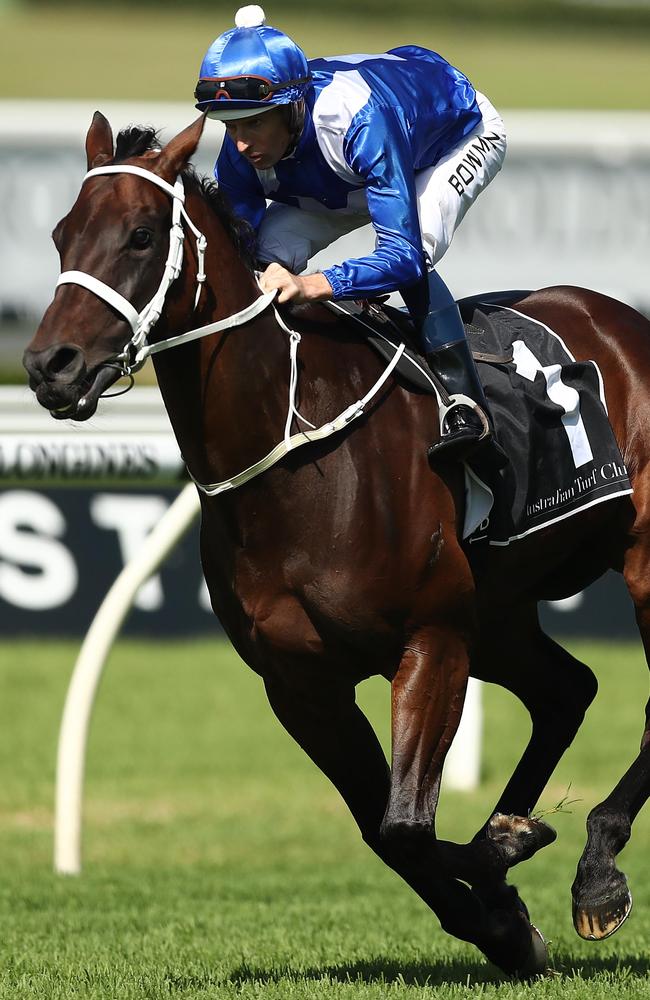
<point x="556" y="689"/>
<point x="325" y="721"/>
<point x="601" y="898"/>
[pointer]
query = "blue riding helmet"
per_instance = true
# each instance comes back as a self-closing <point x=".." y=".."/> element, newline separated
<point x="250" y="69"/>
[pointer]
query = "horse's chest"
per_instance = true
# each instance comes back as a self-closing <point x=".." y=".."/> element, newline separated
<point x="279" y="624"/>
<point x="322" y="622"/>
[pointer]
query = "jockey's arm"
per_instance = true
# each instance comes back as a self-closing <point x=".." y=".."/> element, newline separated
<point x="294" y="287"/>
<point x="378" y="151"/>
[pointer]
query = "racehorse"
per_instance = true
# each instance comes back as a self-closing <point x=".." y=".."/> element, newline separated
<point x="343" y="559"/>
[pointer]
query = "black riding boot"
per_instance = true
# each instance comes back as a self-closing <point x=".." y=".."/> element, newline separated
<point x="466" y="427"/>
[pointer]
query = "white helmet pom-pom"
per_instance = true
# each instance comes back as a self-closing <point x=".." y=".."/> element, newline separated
<point x="251" y="16"/>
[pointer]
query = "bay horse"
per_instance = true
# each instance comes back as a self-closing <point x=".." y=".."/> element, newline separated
<point x="344" y="559"/>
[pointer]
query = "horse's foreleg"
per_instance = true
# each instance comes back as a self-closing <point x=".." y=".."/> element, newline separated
<point x="427" y="699"/>
<point x="325" y="721"/>
<point x="427" y="695"/>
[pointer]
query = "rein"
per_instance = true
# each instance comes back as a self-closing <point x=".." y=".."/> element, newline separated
<point x="137" y="350"/>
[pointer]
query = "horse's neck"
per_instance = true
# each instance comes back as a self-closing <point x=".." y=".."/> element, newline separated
<point x="224" y="393"/>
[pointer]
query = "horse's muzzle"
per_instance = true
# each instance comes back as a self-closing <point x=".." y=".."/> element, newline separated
<point x="62" y="382"/>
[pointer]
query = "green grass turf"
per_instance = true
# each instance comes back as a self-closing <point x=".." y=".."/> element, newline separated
<point x="220" y="863"/>
<point x="62" y="51"/>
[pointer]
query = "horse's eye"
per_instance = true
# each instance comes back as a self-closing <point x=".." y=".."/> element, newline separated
<point x="141" y="238"/>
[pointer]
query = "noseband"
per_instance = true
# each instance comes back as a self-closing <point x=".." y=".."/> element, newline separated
<point x="137" y="350"/>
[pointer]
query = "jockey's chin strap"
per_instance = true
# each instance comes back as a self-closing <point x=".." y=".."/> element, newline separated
<point x="137" y="350"/>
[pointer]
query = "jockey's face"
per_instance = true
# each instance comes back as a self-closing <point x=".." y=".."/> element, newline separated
<point x="262" y="139"/>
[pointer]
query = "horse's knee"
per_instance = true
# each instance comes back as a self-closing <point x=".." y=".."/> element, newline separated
<point x="372" y="839"/>
<point x="407" y="837"/>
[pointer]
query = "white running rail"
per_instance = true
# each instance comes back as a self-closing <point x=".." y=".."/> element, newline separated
<point x="87" y="673"/>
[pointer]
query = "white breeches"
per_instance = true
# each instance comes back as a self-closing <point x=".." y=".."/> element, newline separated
<point x="291" y="236"/>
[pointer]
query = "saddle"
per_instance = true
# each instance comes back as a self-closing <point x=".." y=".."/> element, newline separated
<point x="385" y="327"/>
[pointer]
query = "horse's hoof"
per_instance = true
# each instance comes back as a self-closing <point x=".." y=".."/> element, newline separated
<point x="536" y="962"/>
<point x="519" y="837"/>
<point x="518" y="948"/>
<point x="597" y="922"/>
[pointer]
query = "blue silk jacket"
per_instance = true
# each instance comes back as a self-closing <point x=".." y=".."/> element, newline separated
<point x="372" y="121"/>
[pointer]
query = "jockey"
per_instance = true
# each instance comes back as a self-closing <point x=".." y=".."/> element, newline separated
<point x="401" y="140"/>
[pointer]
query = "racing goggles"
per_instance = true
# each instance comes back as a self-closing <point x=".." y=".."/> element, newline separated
<point x="242" y="88"/>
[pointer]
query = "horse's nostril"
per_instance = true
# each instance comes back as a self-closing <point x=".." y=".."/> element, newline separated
<point x="68" y="360"/>
<point x="60" y="365"/>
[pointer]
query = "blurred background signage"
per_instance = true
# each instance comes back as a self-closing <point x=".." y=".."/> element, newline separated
<point x="572" y="205"/>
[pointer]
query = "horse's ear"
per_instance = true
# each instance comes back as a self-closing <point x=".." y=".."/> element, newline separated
<point x="99" y="141"/>
<point x="179" y="151"/>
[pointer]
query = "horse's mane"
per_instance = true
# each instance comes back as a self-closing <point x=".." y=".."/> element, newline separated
<point x="137" y="140"/>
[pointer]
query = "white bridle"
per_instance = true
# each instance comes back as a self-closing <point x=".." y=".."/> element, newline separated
<point x="137" y="350"/>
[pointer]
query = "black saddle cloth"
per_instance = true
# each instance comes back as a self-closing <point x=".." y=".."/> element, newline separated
<point x="550" y="416"/>
<point x="549" y="413"/>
